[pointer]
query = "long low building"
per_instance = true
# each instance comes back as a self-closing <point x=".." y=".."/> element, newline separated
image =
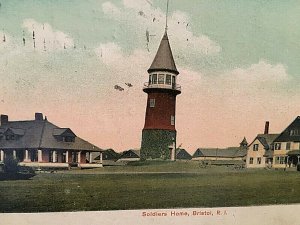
<point x="39" y="143"/>
<point x="230" y="155"/>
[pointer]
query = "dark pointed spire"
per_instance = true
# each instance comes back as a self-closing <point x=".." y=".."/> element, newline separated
<point x="244" y="142"/>
<point x="164" y="60"/>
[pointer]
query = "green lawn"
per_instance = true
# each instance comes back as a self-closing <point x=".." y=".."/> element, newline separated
<point x="202" y="187"/>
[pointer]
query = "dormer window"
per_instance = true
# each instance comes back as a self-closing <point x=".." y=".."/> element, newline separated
<point x="69" y="139"/>
<point x="64" y="134"/>
<point x="10" y="137"/>
<point x="294" y="132"/>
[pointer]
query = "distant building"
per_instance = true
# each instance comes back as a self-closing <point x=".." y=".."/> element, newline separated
<point x="230" y="155"/>
<point x="182" y="154"/>
<point x="260" y="151"/>
<point x="109" y="157"/>
<point x="130" y="155"/>
<point x="39" y="143"/>
<point x="287" y="146"/>
<point x="276" y="150"/>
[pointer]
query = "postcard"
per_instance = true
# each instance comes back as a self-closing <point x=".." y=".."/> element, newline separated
<point x="147" y="111"/>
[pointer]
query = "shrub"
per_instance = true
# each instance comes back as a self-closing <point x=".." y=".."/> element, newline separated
<point x="10" y="165"/>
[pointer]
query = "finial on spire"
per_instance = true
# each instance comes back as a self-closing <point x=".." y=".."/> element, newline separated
<point x="166" y="28"/>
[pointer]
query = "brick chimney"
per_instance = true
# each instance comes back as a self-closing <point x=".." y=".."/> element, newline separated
<point x="39" y="116"/>
<point x="267" y="125"/>
<point x="3" y="119"/>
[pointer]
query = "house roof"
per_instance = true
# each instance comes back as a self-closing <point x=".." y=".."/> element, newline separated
<point x="110" y="153"/>
<point x="231" y="152"/>
<point x="164" y="60"/>
<point x="183" y="154"/>
<point x="39" y="134"/>
<point x="131" y="153"/>
<point x="285" y="135"/>
<point x="265" y="139"/>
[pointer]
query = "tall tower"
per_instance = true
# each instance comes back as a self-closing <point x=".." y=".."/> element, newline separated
<point x="159" y="133"/>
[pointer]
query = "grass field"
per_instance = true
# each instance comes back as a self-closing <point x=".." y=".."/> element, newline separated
<point x="190" y="186"/>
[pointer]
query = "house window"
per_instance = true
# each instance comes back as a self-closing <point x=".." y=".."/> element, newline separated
<point x="168" y="79"/>
<point x="259" y="160"/>
<point x="280" y="160"/>
<point x="288" y="146"/>
<point x="251" y="161"/>
<point x="172" y="120"/>
<point x="10" y="137"/>
<point x="152" y="102"/>
<point x="150" y="79"/>
<point x="294" y="132"/>
<point x="255" y="147"/>
<point x="277" y="146"/>
<point x="161" y="79"/>
<point x="154" y="78"/>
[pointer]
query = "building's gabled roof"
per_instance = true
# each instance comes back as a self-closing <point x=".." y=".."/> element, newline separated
<point x="286" y="136"/>
<point x="108" y="154"/>
<point x="39" y="134"/>
<point x="231" y="152"/>
<point x="265" y="139"/>
<point x="164" y="60"/>
<point x="132" y="153"/>
<point x="183" y="154"/>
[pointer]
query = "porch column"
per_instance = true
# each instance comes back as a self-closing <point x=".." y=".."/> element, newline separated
<point x="26" y="155"/>
<point x="101" y="158"/>
<point x="40" y="155"/>
<point x="1" y="155"/>
<point x="14" y="154"/>
<point x="54" y="159"/>
<point x="67" y="156"/>
<point x="79" y="157"/>
<point x="298" y="159"/>
<point x="91" y="157"/>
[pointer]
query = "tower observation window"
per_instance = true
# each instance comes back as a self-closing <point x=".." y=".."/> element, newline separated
<point x="161" y="79"/>
<point x="154" y="78"/>
<point x="168" y="79"/>
<point x="173" y="82"/>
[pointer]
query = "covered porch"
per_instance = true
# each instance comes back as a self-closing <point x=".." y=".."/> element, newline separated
<point x="52" y="158"/>
<point x="293" y="158"/>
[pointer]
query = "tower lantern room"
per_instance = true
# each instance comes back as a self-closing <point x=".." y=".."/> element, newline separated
<point x="159" y="131"/>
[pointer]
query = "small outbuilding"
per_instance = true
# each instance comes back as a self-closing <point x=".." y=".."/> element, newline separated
<point x="182" y="154"/>
<point x="130" y="155"/>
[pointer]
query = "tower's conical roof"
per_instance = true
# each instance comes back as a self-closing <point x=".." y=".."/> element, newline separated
<point x="164" y="60"/>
